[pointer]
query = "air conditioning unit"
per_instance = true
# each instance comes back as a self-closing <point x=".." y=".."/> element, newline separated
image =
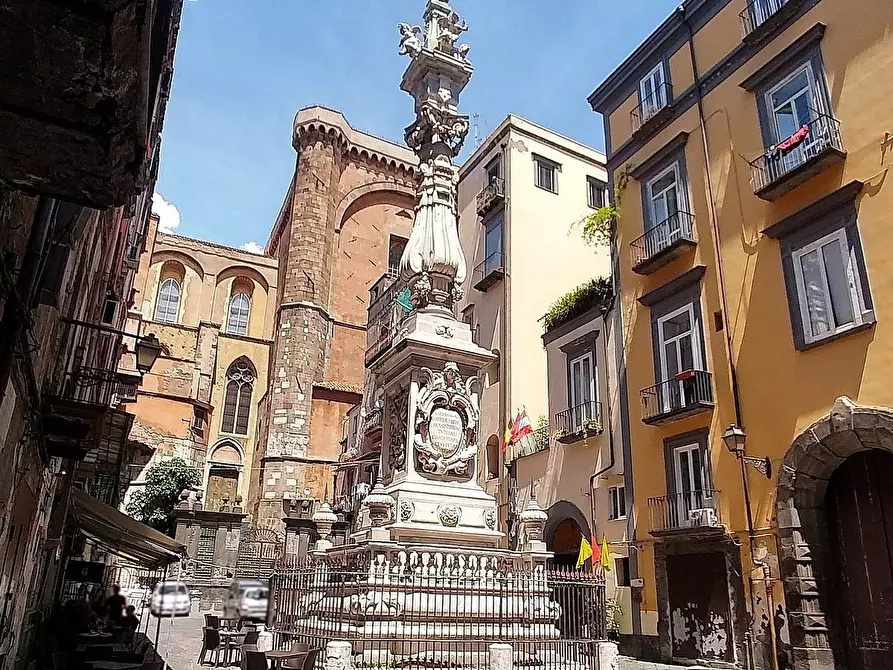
<point x="705" y="517"/>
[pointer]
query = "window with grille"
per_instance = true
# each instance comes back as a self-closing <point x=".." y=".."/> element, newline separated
<point x="204" y="557"/>
<point x="167" y="307"/>
<point x="237" y="399"/>
<point x="239" y="313"/>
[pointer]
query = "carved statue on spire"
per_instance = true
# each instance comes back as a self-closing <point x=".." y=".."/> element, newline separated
<point x="410" y="42"/>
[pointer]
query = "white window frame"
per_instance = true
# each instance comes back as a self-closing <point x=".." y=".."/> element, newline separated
<point x="539" y="161"/>
<point x="234" y="328"/>
<point x="686" y="501"/>
<point x="581" y="414"/>
<point x="697" y="359"/>
<point x="593" y="187"/>
<point x="648" y="109"/>
<point x="680" y="195"/>
<point x="176" y="316"/>
<point x="813" y="94"/>
<point x="615" y="495"/>
<point x="857" y="298"/>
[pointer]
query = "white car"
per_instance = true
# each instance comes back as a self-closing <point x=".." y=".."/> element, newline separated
<point x="170" y="599"/>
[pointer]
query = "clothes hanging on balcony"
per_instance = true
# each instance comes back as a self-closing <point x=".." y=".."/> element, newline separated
<point x="790" y="143"/>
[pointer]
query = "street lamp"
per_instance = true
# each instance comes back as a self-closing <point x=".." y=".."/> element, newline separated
<point x="736" y="442"/>
<point x="147" y="350"/>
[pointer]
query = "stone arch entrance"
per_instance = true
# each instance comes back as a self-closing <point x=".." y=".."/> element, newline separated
<point x="564" y="528"/>
<point x="809" y="567"/>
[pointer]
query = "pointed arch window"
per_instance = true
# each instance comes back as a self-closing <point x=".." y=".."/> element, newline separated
<point x="167" y="307"/>
<point x="239" y="314"/>
<point x="237" y="398"/>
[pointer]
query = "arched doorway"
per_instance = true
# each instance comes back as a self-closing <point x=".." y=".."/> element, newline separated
<point x="564" y="529"/>
<point x="835" y="533"/>
<point x="859" y="507"/>
<point x="224" y="468"/>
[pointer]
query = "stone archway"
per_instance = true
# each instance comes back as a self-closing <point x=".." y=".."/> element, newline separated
<point x="806" y="563"/>
<point x="558" y="525"/>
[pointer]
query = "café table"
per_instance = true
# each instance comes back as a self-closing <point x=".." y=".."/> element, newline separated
<point x="276" y="657"/>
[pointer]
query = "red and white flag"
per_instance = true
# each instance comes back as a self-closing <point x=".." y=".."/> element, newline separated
<point x="522" y="427"/>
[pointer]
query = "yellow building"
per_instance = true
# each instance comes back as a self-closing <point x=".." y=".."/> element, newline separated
<point x="212" y="307"/>
<point x="750" y="145"/>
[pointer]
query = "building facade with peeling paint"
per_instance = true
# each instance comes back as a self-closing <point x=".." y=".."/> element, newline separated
<point x="749" y="145"/>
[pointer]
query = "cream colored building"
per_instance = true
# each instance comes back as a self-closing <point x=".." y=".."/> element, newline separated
<point x="520" y="194"/>
<point x="212" y="307"/>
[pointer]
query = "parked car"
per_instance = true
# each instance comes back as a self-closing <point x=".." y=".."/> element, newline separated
<point x="247" y="599"/>
<point x="170" y="599"/>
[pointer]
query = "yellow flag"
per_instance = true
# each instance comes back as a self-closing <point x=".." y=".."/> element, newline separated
<point x="585" y="552"/>
<point x="606" y="556"/>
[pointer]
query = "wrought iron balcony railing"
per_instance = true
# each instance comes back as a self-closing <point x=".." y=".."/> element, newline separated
<point x="575" y="423"/>
<point x="689" y="392"/>
<point x="696" y="511"/>
<point x="667" y="240"/>
<point x="492" y="194"/>
<point x="758" y="13"/>
<point x="490" y="271"/>
<point x="539" y="440"/>
<point x="389" y="306"/>
<point x="812" y="149"/>
<point x="87" y="363"/>
<point x="651" y="108"/>
<point x="373" y="420"/>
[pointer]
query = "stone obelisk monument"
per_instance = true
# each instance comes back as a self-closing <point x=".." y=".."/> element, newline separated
<point x="431" y="429"/>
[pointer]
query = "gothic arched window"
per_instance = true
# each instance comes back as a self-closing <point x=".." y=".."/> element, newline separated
<point x="239" y="313"/>
<point x="167" y="307"/>
<point x="237" y="398"/>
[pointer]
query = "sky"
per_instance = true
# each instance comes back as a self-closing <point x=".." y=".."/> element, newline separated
<point x="244" y="68"/>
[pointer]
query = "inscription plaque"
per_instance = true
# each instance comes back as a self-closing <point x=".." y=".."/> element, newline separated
<point x="446" y="430"/>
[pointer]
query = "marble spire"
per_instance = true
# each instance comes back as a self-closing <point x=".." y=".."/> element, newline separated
<point x="433" y="264"/>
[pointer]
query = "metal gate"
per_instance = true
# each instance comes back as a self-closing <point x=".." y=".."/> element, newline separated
<point x="700" y="625"/>
<point x="259" y="552"/>
<point x="859" y="505"/>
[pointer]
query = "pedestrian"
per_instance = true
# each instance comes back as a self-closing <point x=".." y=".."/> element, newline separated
<point x="130" y="621"/>
<point x="115" y="604"/>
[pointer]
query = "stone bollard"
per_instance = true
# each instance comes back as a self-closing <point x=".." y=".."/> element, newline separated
<point x="339" y="656"/>
<point x="500" y="657"/>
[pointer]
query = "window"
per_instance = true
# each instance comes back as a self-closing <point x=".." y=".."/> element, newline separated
<point x="595" y="193"/>
<point x="829" y="290"/>
<point x="582" y="390"/>
<point x="109" y="308"/>
<point x="239" y="313"/>
<point x="688" y="470"/>
<point x="396" y="245"/>
<point x="621" y="571"/>
<point x="617" y="496"/>
<point x="167" y="307"/>
<point x="237" y="398"/>
<point x="653" y="92"/>
<point x="546" y="173"/>
<point x="493" y="245"/>
<point x="494" y="170"/>
<point x="679" y="347"/>
<point x="199" y="417"/>
<point x="665" y="195"/>
<point x="493" y="445"/>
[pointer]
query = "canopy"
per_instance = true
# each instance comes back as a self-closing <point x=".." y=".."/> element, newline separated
<point x="121" y="535"/>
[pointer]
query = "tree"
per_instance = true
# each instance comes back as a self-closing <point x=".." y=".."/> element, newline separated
<point x="154" y="503"/>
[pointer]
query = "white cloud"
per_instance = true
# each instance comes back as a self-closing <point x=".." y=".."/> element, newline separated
<point x="252" y="248"/>
<point x="168" y="214"/>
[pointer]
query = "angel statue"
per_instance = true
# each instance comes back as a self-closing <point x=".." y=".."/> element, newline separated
<point x="451" y="28"/>
<point x="462" y="53"/>
<point x="410" y="43"/>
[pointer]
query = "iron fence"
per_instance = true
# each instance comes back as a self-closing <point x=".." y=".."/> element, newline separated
<point x="388" y="308"/>
<point x="696" y="509"/>
<point x="676" y="228"/>
<point x="426" y="612"/>
<point x="86" y="367"/>
<point x="685" y="391"/>
<point x="492" y="193"/>
<point x="649" y="106"/>
<point x="585" y="417"/>
<point x="489" y="271"/>
<point x="815" y="137"/>
<point x="757" y="13"/>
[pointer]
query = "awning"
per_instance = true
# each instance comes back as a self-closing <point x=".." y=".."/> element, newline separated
<point x="121" y="535"/>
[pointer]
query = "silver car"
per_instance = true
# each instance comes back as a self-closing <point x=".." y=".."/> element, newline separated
<point x="247" y="599"/>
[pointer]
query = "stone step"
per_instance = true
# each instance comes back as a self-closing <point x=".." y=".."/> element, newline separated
<point x="627" y="663"/>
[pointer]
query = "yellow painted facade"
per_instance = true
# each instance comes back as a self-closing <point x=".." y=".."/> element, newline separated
<point x="748" y="309"/>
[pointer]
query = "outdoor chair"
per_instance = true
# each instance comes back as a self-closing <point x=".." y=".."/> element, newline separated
<point x="256" y="660"/>
<point x="310" y="659"/>
<point x="210" y="643"/>
<point x="212" y="621"/>
<point x="300" y="646"/>
<point x="251" y="638"/>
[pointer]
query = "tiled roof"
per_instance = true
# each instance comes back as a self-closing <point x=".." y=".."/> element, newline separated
<point x="339" y="386"/>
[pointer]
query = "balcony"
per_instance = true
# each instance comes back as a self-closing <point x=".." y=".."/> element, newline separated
<point x="690" y="392"/>
<point x="80" y="389"/>
<point x="491" y="271"/>
<point x="696" y="512"/>
<point x="811" y="150"/>
<point x="492" y="195"/>
<point x="388" y="308"/>
<point x="533" y="443"/>
<point x="668" y="240"/>
<point x="761" y="17"/>
<point x="578" y="423"/>
<point x="372" y="423"/>
<point x="652" y="111"/>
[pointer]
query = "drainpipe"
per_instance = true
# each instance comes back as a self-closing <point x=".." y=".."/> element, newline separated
<point x="504" y="340"/>
<point x="611" y="457"/>
<point x="733" y="375"/>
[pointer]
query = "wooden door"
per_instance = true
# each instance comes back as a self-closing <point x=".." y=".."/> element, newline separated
<point x="700" y="623"/>
<point x="859" y="504"/>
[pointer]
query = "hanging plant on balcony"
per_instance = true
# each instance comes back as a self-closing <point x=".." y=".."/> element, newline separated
<point x="596" y="228"/>
<point x="599" y="291"/>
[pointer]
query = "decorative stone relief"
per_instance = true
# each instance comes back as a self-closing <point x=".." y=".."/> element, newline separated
<point x="446" y="424"/>
<point x="397" y="419"/>
<point x="444" y="331"/>
<point x="449" y="515"/>
<point x="407" y="509"/>
<point x="490" y="518"/>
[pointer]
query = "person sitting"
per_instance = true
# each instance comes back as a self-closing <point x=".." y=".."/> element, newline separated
<point x="130" y="621"/>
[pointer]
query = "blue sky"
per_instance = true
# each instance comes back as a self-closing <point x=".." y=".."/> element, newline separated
<point x="244" y="67"/>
